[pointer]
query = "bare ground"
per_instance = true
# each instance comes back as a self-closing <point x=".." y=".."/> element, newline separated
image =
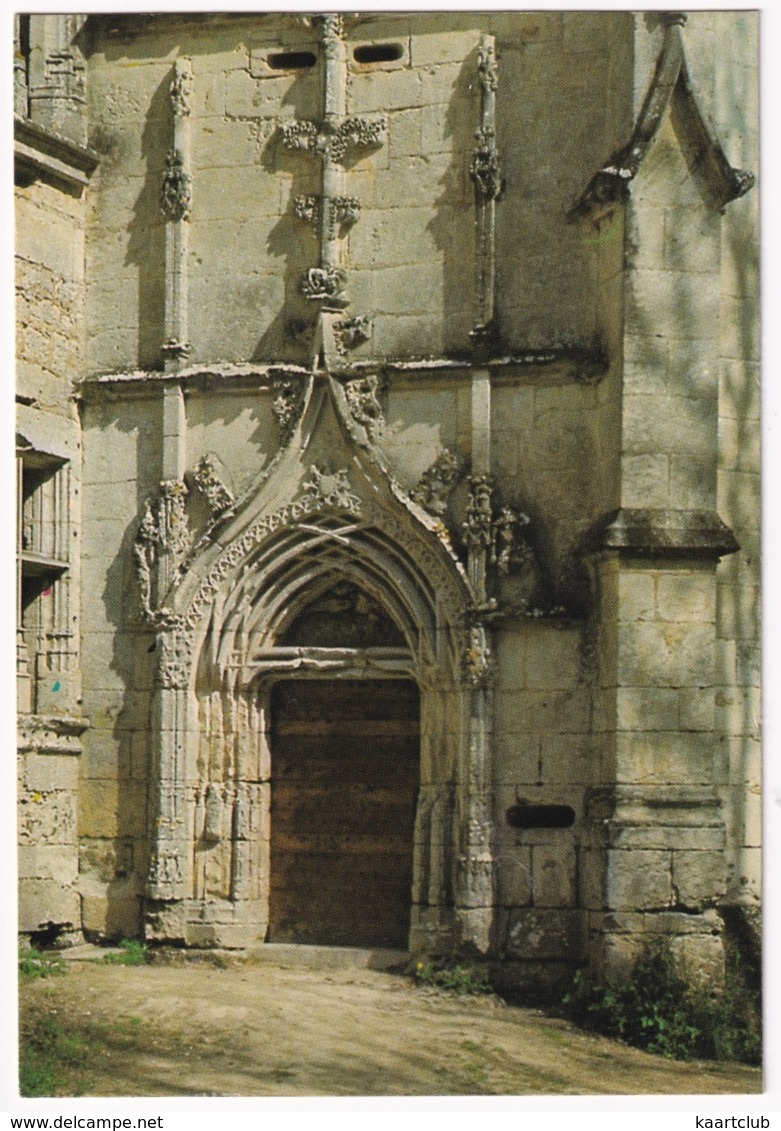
<point x="281" y="1030"/>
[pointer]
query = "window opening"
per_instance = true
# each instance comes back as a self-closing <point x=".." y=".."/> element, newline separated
<point x="291" y="60"/>
<point x="525" y="816"/>
<point x="378" y="52"/>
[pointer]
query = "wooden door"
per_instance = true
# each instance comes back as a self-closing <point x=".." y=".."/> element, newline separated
<point x="345" y="760"/>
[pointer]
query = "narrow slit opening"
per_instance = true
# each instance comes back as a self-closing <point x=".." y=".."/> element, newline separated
<point x="524" y="816"/>
<point x="291" y="60"/>
<point x="378" y="52"/>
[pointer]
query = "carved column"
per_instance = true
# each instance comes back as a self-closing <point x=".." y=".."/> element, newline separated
<point x="487" y="178"/>
<point x="474" y="887"/>
<point x="478" y="534"/>
<point x="175" y="203"/>
<point x="331" y="141"/>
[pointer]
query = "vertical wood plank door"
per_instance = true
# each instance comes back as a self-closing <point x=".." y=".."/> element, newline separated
<point x="345" y="758"/>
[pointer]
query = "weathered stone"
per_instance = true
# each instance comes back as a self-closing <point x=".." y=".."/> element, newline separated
<point x="607" y="387"/>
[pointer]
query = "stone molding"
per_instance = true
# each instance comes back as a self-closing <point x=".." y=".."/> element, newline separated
<point x="38" y="152"/>
<point x="50" y="734"/>
<point x="665" y="533"/>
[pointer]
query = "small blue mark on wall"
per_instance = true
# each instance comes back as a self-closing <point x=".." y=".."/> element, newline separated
<point x="56" y="686"/>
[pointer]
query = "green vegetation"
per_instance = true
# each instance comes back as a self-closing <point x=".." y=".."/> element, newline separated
<point x="459" y="979"/>
<point x="662" y="1010"/>
<point x="37" y="964"/>
<point x="50" y="1059"/>
<point x="134" y="953"/>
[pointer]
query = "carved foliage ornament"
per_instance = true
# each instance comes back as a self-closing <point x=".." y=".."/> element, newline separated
<point x="181" y="90"/>
<point x="341" y="210"/>
<point x="360" y="133"/>
<point x="164" y="529"/>
<point x="435" y="484"/>
<point x="485" y="170"/>
<point x="477" y="660"/>
<point x="331" y="489"/>
<point x="351" y="332"/>
<point x="361" y="394"/>
<point x="287" y="404"/>
<point x="323" y="282"/>
<point x="486" y="67"/>
<point x="206" y="477"/>
<point x="176" y="189"/>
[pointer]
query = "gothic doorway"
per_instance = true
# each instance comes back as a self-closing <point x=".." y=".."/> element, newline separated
<point x="345" y="758"/>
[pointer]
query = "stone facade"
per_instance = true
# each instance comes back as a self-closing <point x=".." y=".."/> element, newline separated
<point x="443" y="320"/>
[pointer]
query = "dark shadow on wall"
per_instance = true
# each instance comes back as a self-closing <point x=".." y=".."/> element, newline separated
<point x="453" y="224"/>
<point x="293" y="241"/>
<point x="146" y="244"/>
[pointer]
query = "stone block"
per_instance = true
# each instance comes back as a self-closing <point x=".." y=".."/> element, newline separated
<point x="110" y="808"/>
<point x="43" y="902"/>
<point x="645" y="237"/>
<point x="638" y="879"/>
<point x="112" y="919"/>
<point x="692" y="482"/>
<point x="514" y="885"/>
<point x="553" y="657"/>
<point x="544" y="933"/>
<point x="224" y="144"/>
<point x="567" y="758"/>
<point x="442" y="46"/>
<point x="698" y="878"/>
<point x="45" y="772"/>
<point x="553" y="872"/>
<point x="47" y="818"/>
<point x="692" y="240"/>
<point x="702" y="838"/>
<point x="48" y="862"/>
<point x="670" y="425"/>
<point x="699" y="958"/>
<point x="405" y="132"/>
<point x="738" y="610"/>
<point x="636" y="596"/>
<point x="665" y="654"/>
<point x="647" y="708"/>
<point x="749" y="664"/>
<point x="664" y="757"/>
<point x="687" y="596"/>
<point x="407" y="180"/>
<point x="517" y="757"/>
<point x="696" y="708"/>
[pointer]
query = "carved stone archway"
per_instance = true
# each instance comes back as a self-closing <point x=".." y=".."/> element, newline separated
<point x="303" y="527"/>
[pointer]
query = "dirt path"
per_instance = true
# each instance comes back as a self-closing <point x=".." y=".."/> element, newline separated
<point x="271" y="1030"/>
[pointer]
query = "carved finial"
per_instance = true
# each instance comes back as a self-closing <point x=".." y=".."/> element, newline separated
<point x="181" y="88"/>
<point x="486" y="64"/>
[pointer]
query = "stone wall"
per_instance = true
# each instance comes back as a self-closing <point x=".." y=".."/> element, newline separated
<point x="604" y="710"/>
<point x="411" y="252"/>
<point x="51" y="173"/>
